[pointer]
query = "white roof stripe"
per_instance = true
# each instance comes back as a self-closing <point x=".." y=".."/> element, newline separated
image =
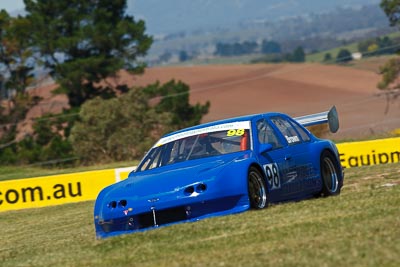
<point x="209" y="129"/>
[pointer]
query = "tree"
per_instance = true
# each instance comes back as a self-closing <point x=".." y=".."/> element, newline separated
<point x="84" y="42"/>
<point x="270" y="47"/>
<point x="235" y="49"/>
<point x="183" y="56"/>
<point x="390" y="82"/>
<point x="363" y="45"/>
<point x="377" y="46"/>
<point x="16" y="57"/>
<point x="327" y="57"/>
<point x="16" y="74"/>
<point x="299" y="55"/>
<point x="372" y="49"/>
<point x="115" y="129"/>
<point x="165" y="57"/>
<point x="392" y="10"/>
<point x="344" y="56"/>
<point x="124" y="128"/>
<point x="174" y="98"/>
<point x="385" y="45"/>
<point x="249" y="47"/>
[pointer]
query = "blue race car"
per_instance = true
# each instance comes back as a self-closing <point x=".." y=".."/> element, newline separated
<point x="221" y="168"/>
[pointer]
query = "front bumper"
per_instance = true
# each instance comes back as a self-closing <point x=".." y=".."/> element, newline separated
<point x="128" y="222"/>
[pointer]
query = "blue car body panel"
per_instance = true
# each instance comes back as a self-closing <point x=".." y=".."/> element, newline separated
<point x="217" y="184"/>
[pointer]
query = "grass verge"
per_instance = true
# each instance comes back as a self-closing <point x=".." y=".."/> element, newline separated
<point x="361" y="227"/>
<point x="12" y="172"/>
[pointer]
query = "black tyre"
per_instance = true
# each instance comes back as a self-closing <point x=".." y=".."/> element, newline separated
<point x="330" y="175"/>
<point x="258" y="193"/>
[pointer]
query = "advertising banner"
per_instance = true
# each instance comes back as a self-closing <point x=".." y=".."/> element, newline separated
<point x="75" y="187"/>
<point x="57" y="189"/>
<point x="381" y="151"/>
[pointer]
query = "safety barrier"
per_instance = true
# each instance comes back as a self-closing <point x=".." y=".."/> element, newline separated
<point x="75" y="187"/>
<point x="57" y="189"/>
<point x="365" y="153"/>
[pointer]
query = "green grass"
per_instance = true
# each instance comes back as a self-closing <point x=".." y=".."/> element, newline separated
<point x="12" y="172"/>
<point x="232" y="60"/>
<point x="319" y="57"/>
<point x="361" y="227"/>
<point x="352" y="47"/>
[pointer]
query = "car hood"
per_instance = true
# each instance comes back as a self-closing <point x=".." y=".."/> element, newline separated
<point x="171" y="178"/>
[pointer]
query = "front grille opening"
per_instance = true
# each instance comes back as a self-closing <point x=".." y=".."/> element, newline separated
<point x="162" y="217"/>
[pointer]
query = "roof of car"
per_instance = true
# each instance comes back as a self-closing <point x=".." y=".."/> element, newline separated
<point x="229" y="120"/>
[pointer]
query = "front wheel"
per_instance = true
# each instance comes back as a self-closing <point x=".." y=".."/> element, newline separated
<point x="258" y="193"/>
<point x="330" y="175"/>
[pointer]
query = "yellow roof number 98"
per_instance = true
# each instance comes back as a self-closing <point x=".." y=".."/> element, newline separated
<point x="233" y="132"/>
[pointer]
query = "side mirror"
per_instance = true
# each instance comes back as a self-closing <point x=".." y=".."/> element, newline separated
<point x="265" y="148"/>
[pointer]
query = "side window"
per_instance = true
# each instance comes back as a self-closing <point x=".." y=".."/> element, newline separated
<point x="287" y="130"/>
<point x="302" y="132"/>
<point x="266" y="134"/>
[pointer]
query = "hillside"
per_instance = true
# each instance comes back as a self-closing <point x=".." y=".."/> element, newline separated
<point x="164" y="17"/>
<point x="296" y="89"/>
<point x="314" y="25"/>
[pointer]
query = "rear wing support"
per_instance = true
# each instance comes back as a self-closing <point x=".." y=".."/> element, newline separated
<point x="330" y="117"/>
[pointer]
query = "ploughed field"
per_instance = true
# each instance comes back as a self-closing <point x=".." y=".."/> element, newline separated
<point x="296" y="89"/>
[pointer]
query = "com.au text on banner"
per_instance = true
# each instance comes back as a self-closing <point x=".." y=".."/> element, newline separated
<point x="57" y="189"/>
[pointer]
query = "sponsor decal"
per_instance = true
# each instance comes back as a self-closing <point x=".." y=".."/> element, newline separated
<point x="291" y="176"/>
<point x="292" y="139"/>
<point x="272" y="173"/>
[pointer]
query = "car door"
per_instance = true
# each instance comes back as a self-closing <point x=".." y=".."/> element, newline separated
<point x="274" y="161"/>
<point x="300" y="178"/>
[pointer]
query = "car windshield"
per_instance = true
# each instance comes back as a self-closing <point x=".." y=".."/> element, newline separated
<point x="200" y="143"/>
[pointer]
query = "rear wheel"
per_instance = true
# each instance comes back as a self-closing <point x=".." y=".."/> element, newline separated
<point x="330" y="175"/>
<point x="258" y="193"/>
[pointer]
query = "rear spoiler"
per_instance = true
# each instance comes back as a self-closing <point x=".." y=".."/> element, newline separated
<point x="330" y="117"/>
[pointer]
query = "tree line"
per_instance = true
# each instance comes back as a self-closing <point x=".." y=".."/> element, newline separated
<point x="313" y="32"/>
<point x="271" y="48"/>
<point x="273" y="52"/>
<point x="81" y="45"/>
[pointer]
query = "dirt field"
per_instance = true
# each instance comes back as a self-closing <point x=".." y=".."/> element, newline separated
<point x="295" y="89"/>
